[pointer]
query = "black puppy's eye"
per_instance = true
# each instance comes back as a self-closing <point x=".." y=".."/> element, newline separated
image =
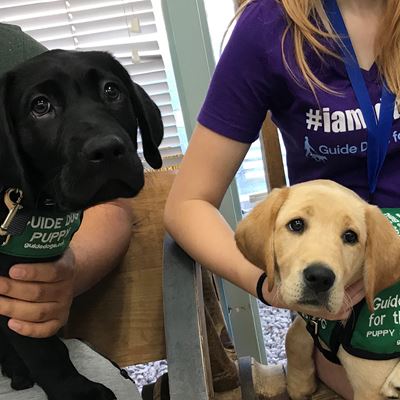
<point x="111" y="91"/>
<point x="40" y="106"/>
<point x="350" y="237"/>
<point x="296" y="225"/>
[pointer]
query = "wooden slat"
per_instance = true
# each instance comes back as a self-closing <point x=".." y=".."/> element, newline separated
<point x="323" y="393"/>
<point x="273" y="162"/>
<point x="122" y="317"/>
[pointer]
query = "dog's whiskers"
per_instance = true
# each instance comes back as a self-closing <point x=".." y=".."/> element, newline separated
<point x="347" y="302"/>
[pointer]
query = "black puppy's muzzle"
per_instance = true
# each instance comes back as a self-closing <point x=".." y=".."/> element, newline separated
<point x="102" y="164"/>
<point x="105" y="151"/>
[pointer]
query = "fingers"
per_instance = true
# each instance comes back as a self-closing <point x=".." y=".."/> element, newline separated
<point x="38" y="320"/>
<point x="31" y="312"/>
<point x="36" y="330"/>
<point x="37" y="297"/>
<point x="57" y="271"/>
<point x="31" y="315"/>
<point x="357" y="297"/>
<point x="356" y="291"/>
<point x="272" y="297"/>
<point x="31" y="291"/>
<point x="354" y="294"/>
<point x="340" y="316"/>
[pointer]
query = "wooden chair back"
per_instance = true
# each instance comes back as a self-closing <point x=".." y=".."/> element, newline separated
<point x="273" y="161"/>
<point x="122" y="317"/>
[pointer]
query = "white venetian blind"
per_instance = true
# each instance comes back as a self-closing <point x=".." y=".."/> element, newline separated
<point x="128" y="29"/>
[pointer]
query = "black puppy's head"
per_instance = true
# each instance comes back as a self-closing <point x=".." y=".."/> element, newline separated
<point x="68" y="129"/>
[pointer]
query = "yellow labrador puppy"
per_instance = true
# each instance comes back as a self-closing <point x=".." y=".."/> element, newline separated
<point x="314" y="239"/>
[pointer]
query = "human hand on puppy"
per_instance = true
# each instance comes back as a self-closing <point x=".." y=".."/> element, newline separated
<point x="38" y="300"/>
<point x="353" y="295"/>
<point x="37" y="297"/>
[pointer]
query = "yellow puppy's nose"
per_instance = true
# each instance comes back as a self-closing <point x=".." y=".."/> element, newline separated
<point x="318" y="277"/>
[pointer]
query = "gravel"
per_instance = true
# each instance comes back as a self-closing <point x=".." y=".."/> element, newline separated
<point x="274" y="323"/>
<point x="143" y="374"/>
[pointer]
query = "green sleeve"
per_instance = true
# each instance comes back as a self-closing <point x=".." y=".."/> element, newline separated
<point x="16" y="47"/>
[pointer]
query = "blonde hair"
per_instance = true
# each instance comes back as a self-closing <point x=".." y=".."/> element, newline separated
<point x="300" y="13"/>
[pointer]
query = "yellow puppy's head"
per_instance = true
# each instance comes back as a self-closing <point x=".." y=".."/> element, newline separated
<point x="316" y="238"/>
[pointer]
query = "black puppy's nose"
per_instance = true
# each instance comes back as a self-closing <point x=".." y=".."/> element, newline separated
<point x="107" y="148"/>
<point x="318" y="277"/>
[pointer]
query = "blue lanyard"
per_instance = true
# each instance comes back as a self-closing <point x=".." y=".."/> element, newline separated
<point x="379" y="129"/>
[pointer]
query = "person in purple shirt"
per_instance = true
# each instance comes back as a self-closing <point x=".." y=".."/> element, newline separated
<point x="284" y="56"/>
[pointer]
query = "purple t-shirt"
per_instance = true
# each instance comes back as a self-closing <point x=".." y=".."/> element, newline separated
<point x="326" y="140"/>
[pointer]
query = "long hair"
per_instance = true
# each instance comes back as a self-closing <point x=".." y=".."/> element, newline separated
<point x="300" y="13"/>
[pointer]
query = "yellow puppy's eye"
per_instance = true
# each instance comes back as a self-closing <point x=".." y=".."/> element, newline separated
<point x="350" y="237"/>
<point x="296" y="225"/>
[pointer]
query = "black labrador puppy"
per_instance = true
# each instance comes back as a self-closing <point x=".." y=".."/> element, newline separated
<point x="68" y="140"/>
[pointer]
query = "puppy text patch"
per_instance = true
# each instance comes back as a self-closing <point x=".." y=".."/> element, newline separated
<point x="47" y="234"/>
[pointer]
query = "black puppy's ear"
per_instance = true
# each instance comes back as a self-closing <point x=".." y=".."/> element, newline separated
<point x="12" y="171"/>
<point x="149" y="116"/>
<point x="150" y="124"/>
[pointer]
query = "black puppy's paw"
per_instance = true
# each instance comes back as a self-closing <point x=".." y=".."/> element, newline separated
<point x="19" y="382"/>
<point x="81" y="388"/>
<point x="15" y="369"/>
<point x="95" y="391"/>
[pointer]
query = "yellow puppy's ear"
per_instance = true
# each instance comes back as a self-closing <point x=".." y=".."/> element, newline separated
<point x="255" y="234"/>
<point x="382" y="254"/>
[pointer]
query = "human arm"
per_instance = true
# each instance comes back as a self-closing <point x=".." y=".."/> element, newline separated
<point x="101" y="242"/>
<point x="193" y="219"/>
<point x="39" y="299"/>
<point x="191" y="212"/>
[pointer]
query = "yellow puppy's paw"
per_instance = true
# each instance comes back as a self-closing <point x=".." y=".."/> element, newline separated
<point x="301" y="391"/>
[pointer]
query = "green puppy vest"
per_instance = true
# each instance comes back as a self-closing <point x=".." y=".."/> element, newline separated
<point x="47" y="234"/>
<point x="373" y="336"/>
